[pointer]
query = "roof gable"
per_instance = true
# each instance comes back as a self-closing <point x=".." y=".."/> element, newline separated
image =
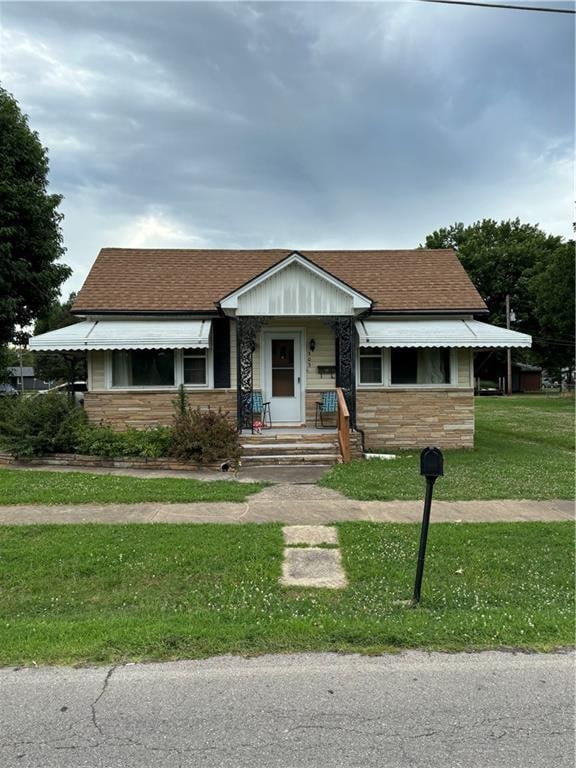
<point x="295" y="286"/>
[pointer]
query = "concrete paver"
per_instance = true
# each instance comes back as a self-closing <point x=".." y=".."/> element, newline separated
<point x="309" y="534"/>
<point x="313" y="567"/>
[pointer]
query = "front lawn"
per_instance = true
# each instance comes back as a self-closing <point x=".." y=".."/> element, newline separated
<point x="524" y="449"/>
<point x="90" y="593"/>
<point x="39" y="487"/>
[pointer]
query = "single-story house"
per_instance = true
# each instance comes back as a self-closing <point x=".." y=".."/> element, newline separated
<point x="24" y="378"/>
<point x="395" y="331"/>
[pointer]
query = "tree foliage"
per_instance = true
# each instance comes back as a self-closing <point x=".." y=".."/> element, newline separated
<point x="30" y="233"/>
<point x="59" y="366"/>
<point x="534" y="268"/>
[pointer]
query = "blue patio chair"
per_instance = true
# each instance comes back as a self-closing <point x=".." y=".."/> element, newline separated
<point x="262" y="409"/>
<point x="328" y="404"/>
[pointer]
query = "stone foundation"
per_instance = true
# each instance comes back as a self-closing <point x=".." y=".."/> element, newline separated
<point x="148" y="409"/>
<point x="390" y="419"/>
<point x="408" y="418"/>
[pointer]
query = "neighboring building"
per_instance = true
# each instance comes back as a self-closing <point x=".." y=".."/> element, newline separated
<point x="395" y="330"/>
<point x="23" y="378"/>
<point x="525" y="377"/>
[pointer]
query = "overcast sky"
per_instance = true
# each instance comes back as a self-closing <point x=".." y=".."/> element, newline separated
<point x="296" y="125"/>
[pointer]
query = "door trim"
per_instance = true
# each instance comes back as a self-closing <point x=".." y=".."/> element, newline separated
<point x="266" y="363"/>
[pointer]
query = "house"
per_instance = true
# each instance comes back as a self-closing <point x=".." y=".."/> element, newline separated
<point x="23" y="378"/>
<point x="492" y="372"/>
<point x="395" y="331"/>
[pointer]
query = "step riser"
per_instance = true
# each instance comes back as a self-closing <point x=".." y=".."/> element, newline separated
<point x="289" y="451"/>
<point x="289" y="461"/>
<point x="264" y="440"/>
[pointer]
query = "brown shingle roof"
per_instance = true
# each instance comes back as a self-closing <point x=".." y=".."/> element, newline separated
<point x="195" y="280"/>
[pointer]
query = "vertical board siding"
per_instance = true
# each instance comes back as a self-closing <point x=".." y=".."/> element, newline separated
<point x="465" y="358"/>
<point x="295" y="290"/>
<point x="98" y="366"/>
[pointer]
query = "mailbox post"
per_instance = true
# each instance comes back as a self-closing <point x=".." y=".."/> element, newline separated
<point x="431" y="467"/>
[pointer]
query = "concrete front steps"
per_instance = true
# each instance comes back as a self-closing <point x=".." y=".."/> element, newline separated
<point x="291" y="449"/>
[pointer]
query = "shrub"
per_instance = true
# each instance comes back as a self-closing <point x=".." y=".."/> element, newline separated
<point x="30" y="426"/>
<point x="102" y="440"/>
<point x="204" y="436"/>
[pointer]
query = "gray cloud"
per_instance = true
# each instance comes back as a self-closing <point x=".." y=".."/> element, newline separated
<point x="294" y="125"/>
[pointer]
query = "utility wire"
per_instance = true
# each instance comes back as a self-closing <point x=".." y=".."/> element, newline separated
<point x="501" y="5"/>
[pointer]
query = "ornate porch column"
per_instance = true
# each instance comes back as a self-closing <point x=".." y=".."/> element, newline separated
<point x="246" y="330"/>
<point x="345" y="334"/>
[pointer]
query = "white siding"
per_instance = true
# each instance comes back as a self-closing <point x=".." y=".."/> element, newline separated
<point x="97" y="369"/>
<point x="465" y="362"/>
<point x="295" y="291"/>
<point x="324" y="351"/>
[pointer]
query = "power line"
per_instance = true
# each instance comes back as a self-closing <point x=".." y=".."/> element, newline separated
<point x="501" y="5"/>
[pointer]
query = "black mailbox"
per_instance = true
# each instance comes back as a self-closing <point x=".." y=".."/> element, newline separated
<point x="431" y="462"/>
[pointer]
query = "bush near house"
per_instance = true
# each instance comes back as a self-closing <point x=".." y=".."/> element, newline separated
<point x="102" y="440"/>
<point x="37" y="425"/>
<point x="54" y="424"/>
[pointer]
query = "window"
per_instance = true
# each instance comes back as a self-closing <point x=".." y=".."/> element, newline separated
<point x="420" y="366"/>
<point x="143" y="368"/>
<point x="370" y="365"/>
<point x="195" y="366"/>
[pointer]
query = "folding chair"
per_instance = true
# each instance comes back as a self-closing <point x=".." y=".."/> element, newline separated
<point x="328" y="404"/>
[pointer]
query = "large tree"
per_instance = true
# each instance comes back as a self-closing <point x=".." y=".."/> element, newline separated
<point x="520" y="260"/>
<point x="553" y="290"/>
<point x="30" y="234"/>
<point x="59" y="366"/>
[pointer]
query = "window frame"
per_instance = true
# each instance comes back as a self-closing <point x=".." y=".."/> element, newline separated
<point x="387" y="373"/>
<point x="207" y="367"/>
<point x="371" y="384"/>
<point x="178" y="375"/>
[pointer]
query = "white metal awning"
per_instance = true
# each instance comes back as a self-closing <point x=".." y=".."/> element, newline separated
<point x="125" y="334"/>
<point x="437" y="333"/>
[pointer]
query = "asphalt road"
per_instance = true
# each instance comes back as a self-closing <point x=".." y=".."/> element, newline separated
<point x="317" y="710"/>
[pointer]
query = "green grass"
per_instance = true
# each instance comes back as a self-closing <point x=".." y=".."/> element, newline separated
<point x="524" y="449"/>
<point x="38" y="487"/>
<point x="90" y="593"/>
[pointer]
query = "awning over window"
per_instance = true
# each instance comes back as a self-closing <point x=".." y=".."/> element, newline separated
<point x="125" y="334"/>
<point x="437" y="333"/>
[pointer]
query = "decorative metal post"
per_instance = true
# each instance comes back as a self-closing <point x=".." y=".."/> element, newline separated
<point x="345" y="334"/>
<point x="246" y="330"/>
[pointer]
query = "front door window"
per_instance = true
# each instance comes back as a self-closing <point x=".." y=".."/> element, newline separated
<point x="282" y="367"/>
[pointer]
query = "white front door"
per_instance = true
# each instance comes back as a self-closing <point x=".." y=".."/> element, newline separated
<point x="282" y="375"/>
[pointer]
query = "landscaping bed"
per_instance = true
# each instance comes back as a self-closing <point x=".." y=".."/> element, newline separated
<point x="89" y="593"/>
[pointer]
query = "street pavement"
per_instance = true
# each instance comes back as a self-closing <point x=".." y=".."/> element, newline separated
<point x="411" y="710"/>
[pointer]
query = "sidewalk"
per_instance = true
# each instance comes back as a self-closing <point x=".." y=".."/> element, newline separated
<point x="293" y="505"/>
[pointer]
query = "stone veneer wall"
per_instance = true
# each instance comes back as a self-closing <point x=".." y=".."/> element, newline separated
<point x="408" y="418"/>
<point x="147" y="409"/>
<point x="389" y="419"/>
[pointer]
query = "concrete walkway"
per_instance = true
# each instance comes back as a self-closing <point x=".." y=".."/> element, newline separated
<point x="293" y="505"/>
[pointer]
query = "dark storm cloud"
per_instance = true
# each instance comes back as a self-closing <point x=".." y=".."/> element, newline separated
<point x="298" y="125"/>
